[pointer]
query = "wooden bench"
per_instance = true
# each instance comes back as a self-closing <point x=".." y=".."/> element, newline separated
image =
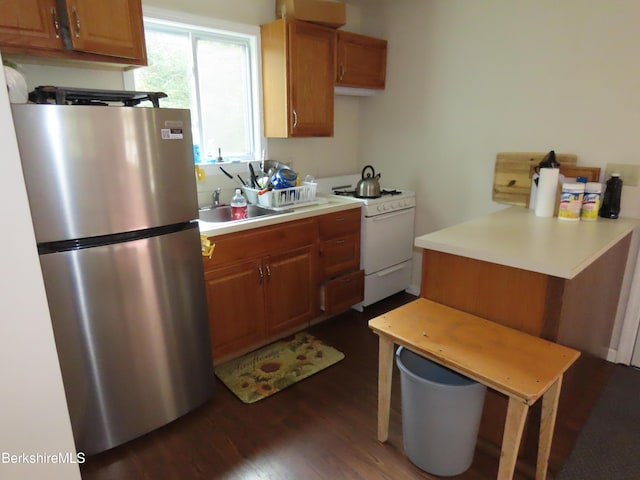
<point x="517" y="364"/>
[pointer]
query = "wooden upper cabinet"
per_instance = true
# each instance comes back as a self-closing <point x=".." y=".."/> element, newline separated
<point x="30" y="24"/>
<point x="361" y="61"/>
<point x="97" y="31"/>
<point x="298" y="65"/>
<point x="112" y="28"/>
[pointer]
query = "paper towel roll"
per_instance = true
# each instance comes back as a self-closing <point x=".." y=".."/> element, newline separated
<point x="547" y="188"/>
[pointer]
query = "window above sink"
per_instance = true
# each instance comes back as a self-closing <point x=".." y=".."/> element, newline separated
<point x="211" y="68"/>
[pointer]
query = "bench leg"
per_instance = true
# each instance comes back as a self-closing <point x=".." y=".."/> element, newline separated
<point x="549" y="411"/>
<point x="385" y="373"/>
<point x="516" y="416"/>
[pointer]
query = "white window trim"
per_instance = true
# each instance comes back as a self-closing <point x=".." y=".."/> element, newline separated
<point x="228" y="28"/>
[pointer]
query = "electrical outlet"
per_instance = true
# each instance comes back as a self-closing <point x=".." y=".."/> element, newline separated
<point x="629" y="173"/>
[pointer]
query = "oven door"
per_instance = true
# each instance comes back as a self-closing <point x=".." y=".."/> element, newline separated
<point x="387" y="240"/>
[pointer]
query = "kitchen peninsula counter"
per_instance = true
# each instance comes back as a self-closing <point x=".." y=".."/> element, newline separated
<point x="516" y="237"/>
<point x="560" y="280"/>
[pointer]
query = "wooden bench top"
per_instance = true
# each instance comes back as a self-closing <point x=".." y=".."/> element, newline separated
<point x="507" y="360"/>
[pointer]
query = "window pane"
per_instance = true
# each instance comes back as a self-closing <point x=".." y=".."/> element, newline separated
<point x="224" y="100"/>
<point x="169" y="69"/>
<point x="212" y="71"/>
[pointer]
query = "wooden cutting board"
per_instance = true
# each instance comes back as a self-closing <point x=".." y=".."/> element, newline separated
<point x="512" y="176"/>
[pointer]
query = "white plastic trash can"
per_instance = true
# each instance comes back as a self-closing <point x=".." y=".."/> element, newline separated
<point x="441" y="412"/>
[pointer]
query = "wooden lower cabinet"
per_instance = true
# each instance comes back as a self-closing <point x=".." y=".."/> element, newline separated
<point x="254" y="301"/>
<point x="342" y="292"/>
<point x="340" y="274"/>
<point x="265" y="283"/>
<point x="236" y="306"/>
<point x="63" y="30"/>
<point x="261" y="284"/>
<point x="290" y="290"/>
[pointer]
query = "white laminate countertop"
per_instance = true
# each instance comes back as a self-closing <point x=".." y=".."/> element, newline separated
<point x="328" y="204"/>
<point x="517" y="238"/>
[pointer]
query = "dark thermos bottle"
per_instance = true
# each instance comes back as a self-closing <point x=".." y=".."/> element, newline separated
<point x="611" y="201"/>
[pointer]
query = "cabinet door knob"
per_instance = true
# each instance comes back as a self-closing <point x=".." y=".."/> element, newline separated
<point x="261" y="275"/>
<point x="268" y="272"/>
<point x="341" y="76"/>
<point x="295" y="118"/>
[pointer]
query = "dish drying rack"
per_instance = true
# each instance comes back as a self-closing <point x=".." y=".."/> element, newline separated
<point x="284" y="198"/>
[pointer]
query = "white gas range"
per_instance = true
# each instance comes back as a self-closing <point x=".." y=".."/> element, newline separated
<point x="387" y="236"/>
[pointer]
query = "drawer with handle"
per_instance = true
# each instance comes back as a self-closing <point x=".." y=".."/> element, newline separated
<point x="342" y="292"/>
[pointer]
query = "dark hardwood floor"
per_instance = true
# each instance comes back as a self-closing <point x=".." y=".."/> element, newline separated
<point x="323" y="427"/>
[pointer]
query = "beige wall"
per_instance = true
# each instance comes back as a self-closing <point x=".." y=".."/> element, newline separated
<point x="467" y="79"/>
<point x="33" y="410"/>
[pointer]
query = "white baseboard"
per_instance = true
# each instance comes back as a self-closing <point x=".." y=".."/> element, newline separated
<point x="413" y="290"/>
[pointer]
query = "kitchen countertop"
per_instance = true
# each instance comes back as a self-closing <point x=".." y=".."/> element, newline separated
<point x="516" y="237"/>
<point x="328" y="204"/>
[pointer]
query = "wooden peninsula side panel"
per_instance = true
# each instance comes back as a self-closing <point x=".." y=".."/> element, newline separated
<point x="577" y="312"/>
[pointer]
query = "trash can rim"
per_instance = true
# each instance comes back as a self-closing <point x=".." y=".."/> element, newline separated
<point x="471" y="383"/>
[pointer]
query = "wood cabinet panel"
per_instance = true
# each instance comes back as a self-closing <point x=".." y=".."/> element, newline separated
<point x="590" y="301"/>
<point x="342" y="292"/>
<point x="339" y="223"/>
<point x="291" y="290"/>
<point x="263" y="241"/>
<point x="298" y="64"/>
<point x="361" y="61"/>
<point x="339" y="255"/>
<point x="111" y="28"/>
<point x="110" y="32"/>
<point x="261" y="284"/>
<point x="236" y="306"/>
<point x="31" y="24"/>
<point x="509" y="296"/>
<point x="311" y="67"/>
<point x="343" y="281"/>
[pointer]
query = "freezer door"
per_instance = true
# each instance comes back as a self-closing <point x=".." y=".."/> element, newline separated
<point x="131" y="330"/>
<point x="97" y="170"/>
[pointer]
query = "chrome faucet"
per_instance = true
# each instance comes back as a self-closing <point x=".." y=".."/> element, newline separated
<point x="215" y="197"/>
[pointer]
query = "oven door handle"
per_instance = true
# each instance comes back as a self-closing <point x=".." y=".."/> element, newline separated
<point x="387" y="216"/>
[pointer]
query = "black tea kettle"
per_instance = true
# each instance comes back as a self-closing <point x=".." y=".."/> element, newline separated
<point x="369" y="186"/>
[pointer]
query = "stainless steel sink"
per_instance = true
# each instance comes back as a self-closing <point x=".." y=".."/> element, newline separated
<point x="223" y="214"/>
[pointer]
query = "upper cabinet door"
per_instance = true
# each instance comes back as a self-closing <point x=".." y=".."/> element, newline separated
<point x="298" y="65"/>
<point x="311" y="71"/>
<point x="30" y="24"/>
<point x="112" y="28"/>
<point x="362" y="61"/>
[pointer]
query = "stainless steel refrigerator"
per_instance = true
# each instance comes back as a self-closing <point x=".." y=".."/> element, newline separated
<point x="112" y="196"/>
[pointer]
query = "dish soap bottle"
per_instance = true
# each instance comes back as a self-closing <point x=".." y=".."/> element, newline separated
<point x="611" y="201"/>
<point x="238" y="206"/>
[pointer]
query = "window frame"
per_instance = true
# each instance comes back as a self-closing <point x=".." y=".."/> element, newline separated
<point x="210" y="27"/>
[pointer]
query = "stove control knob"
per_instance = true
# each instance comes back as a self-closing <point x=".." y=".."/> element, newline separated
<point x="379" y="208"/>
<point x="384" y="207"/>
